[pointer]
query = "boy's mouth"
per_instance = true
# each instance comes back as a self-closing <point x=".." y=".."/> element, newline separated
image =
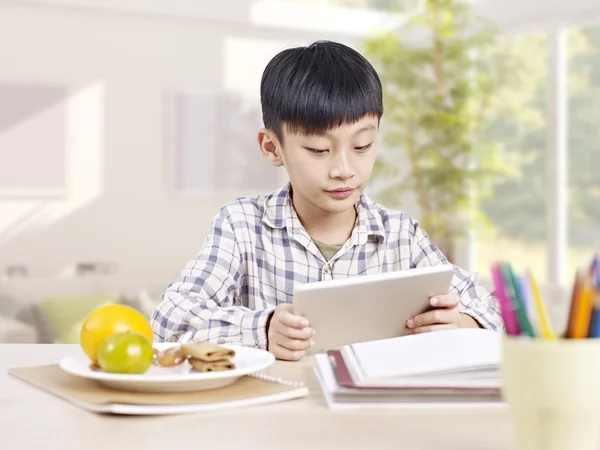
<point x="341" y="193"/>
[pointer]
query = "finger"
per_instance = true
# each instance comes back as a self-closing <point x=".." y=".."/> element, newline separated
<point x="430" y="328"/>
<point x="286" y="354"/>
<point x="294" y="333"/>
<point x="279" y="339"/>
<point x="445" y="301"/>
<point x="292" y="320"/>
<point x="433" y="317"/>
<point x="295" y="344"/>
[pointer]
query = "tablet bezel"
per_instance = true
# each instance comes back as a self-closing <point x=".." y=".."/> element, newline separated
<point x="340" y="315"/>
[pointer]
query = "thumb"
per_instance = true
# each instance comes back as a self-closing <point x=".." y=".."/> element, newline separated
<point x="288" y="307"/>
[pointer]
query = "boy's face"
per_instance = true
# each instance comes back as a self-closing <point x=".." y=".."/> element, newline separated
<point x="327" y="171"/>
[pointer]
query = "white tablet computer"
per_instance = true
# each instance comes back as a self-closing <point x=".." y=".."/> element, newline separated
<point x="368" y="307"/>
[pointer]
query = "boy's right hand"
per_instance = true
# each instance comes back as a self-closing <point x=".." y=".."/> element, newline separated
<point x="289" y="335"/>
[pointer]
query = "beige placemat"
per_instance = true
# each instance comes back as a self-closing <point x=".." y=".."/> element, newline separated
<point x="53" y="379"/>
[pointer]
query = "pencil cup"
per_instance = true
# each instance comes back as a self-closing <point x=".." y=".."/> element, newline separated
<point x="552" y="389"/>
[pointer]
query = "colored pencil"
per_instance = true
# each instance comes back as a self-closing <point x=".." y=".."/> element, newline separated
<point x="507" y="311"/>
<point x="514" y="294"/>
<point x="583" y="313"/>
<point x="594" y="330"/>
<point x="574" y="305"/>
<point x="543" y="320"/>
<point x="524" y="312"/>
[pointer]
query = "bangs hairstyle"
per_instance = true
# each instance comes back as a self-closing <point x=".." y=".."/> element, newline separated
<point x="314" y="89"/>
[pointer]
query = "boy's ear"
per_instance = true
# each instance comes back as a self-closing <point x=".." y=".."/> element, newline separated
<point x="270" y="147"/>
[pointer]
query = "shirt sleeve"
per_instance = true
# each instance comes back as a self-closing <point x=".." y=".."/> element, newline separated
<point x="204" y="302"/>
<point x="475" y="300"/>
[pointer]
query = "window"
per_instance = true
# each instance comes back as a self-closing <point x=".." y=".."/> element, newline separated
<point x="519" y="203"/>
<point x="583" y="70"/>
<point x="516" y="206"/>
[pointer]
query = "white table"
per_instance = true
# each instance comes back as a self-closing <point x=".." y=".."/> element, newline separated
<point x="32" y="419"/>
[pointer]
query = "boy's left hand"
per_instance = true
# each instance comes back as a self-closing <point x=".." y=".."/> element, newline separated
<point x="445" y="315"/>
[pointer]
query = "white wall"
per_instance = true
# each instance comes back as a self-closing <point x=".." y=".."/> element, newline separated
<point x="118" y="207"/>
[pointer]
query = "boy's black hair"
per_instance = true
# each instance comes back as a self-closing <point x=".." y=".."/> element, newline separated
<point x="313" y="89"/>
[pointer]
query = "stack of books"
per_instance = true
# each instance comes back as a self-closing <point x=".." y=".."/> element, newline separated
<point x="451" y="367"/>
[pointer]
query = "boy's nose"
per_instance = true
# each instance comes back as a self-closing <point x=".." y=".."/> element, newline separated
<point x="342" y="169"/>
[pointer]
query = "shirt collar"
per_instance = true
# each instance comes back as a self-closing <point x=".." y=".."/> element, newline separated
<point x="279" y="213"/>
<point x="278" y="208"/>
<point x="369" y="218"/>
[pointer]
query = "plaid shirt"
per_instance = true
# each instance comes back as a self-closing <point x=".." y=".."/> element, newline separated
<point x="257" y="251"/>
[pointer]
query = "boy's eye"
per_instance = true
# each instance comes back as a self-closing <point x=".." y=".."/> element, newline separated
<point x="364" y="148"/>
<point x="316" y="151"/>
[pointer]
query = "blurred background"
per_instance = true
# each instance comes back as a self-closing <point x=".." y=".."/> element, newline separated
<point x="126" y="124"/>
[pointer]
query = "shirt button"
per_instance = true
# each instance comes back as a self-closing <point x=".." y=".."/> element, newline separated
<point x="327" y="268"/>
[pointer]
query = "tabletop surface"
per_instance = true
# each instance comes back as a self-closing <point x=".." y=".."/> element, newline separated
<point x="33" y="419"/>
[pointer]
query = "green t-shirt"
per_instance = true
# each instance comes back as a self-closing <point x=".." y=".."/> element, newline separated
<point x="328" y="250"/>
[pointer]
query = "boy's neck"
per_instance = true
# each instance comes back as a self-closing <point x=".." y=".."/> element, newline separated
<point x="324" y="226"/>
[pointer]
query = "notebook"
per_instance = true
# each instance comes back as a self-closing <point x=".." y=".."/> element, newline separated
<point x="453" y="367"/>
<point x="337" y="396"/>
<point x="425" y="386"/>
<point x="464" y="357"/>
<point x="249" y="390"/>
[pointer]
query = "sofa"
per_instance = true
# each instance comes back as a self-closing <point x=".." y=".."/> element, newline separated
<point x="52" y="309"/>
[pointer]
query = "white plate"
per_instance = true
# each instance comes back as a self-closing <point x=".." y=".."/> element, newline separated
<point x="181" y="378"/>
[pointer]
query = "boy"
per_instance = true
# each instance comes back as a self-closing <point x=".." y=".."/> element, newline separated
<point x="321" y="109"/>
